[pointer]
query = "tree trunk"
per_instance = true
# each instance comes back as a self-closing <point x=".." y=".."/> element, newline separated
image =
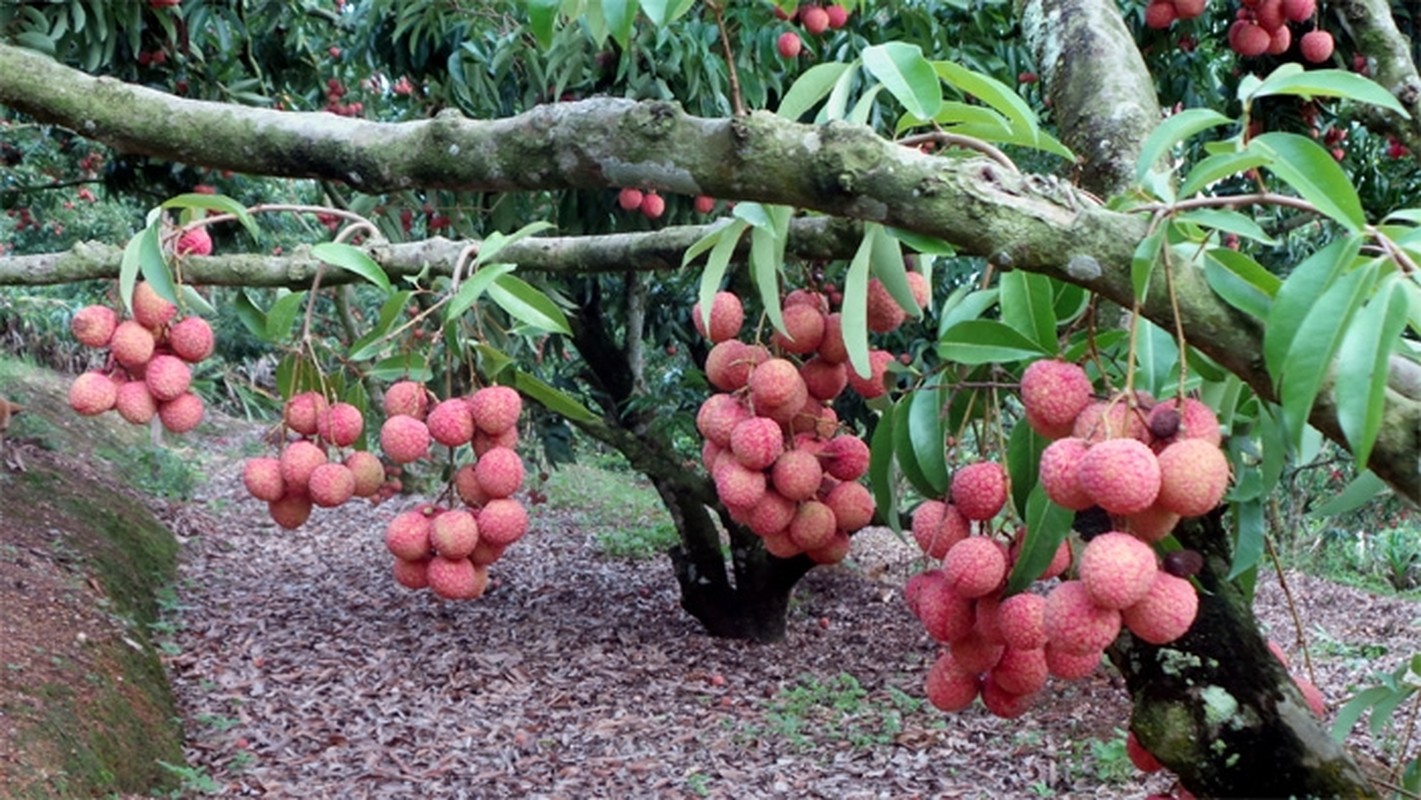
<point x="1219" y="710"/>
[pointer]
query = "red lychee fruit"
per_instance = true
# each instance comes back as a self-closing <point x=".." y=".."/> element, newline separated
<point x="726" y="317"/>
<point x="796" y="474"/>
<point x="191" y="339"/>
<point x="368" y="471"/>
<point x="1269" y="14"/>
<point x="728" y="365"/>
<point x="1121" y="475"/>
<point x="1189" y="9"/>
<point x="946" y="616"/>
<point x="1312" y="696"/>
<point x="1152" y="524"/>
<point x="873" y="385"/>
<point x="718" y="416"/>
<point x="454" y="534"/>
<point x="806" y="297"/>
<point x="92" y="394"/>
<point x="298" y="461"/>
<point x="757" y="442"/>
<point x="1248" y="38"/>
<point x="789" y="44"/>
<point x="1021" y="671"/>
<point x="331" y="485"/>
<point x="918" y="285"/>
<point x="412" y="574"/>
<point x="831" y="346"/>
<point x="1193" y="477"/>
<point x="496" y="409"/>
<point x="132" y="344"/>
<point x="1143" y="760"/>
<point x="499" y="472"/>
<point x="1060" y="562"/>
<point x="450" y="422"/>
<point x="653" y="205"/>
<point x="1075" y="624"/>
<point x="1117" y="569"/>
<point x="771" y="515"/>
<point x="980" y="490"/>
<point x="1160" y="14"/>
<point x="838" y="16"/>
<point x="1060" y="473"/>
<point x="502" y="521"/>
<point x="949" y="687"/>
<point x="975" y="652"/>
<point x="704" y="204"/>
<point x="135" y="403"/>
<point x="194" y="242"/>
<point x="1021" y="619"/>
<point x="262" y="477"/>
<point x="341" y="424"/>
<point x="1316" y="46"/>
<point x="487" y="553"/>
<point x="1110" y="420"/>
<point x="466" y="485"/>
<point x="290" y="511"/>
<point x="1299" y="10"/>
<point x="1071" y="666"/>
<point x="926" y="528"/>
<point x="407" y="535"/>
<point x="151" y="310"/>
<point x="805" y="327"/>
<point x="404" y="439"/>
<point x="167" y="377"/>
<point x="846" y="457"/>
<point x="884" y="313"/>
<point x="825" y="381"/>
<point x="814" y="19"/>
<point x="974" y="567"/>
<point x="408" y="398"/>
<point x="1004" y="704"/>
<point x="813" y="525"/>
<point x="1281" y="40"/>
<point x="737" y="485"/>
<point x="303" y="412"/>
<point x="1172" y="420"/>
<point x="1165" y="612"/>
<point x="852" y="505"/>
<point x="629" y="198"/>
<point x="1054" y="393"/>
<point x="93" y="326"/>
<point x="182" y="413"/>
<point x="774" y="383"/>
<point x="456" y="579"/>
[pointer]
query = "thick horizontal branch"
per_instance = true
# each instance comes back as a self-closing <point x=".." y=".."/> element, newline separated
<point x="1388" y="53"/>
<point x="1019" y="221"/>
<point x="810" y="238"/>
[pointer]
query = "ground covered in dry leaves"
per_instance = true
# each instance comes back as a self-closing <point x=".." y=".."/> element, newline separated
<point x="303" y="670"/>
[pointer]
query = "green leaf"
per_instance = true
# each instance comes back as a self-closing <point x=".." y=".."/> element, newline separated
<point x="886" y="264"/>
<point x="251" y="317"/>
<point x="765" y="269"/>
<point x="1310" y="356"/>
<point x="716" y="265"/>
<point x="928" y="245"/>
<point x="880" y="472"/>
<point x="215" y="202"/>
<point x="496" y="242"/>
<point x="985" y="341"/>
<point x="129" y="268"/>
<point x="926" y="433"/>
<point x="1142" y="264"/>
<point x="1352" y="711"/>
<point x="1217" y="167"/>
<point x="658" y="11"/>
<point x="1353" y="496"/>
<point x="281" y="315"/>
<point x="353" y="260"/>
<point x="1248" y="549"/>
<point x="1024" y="450"/>
<point x="965" y="303"/>
<point x="1242" y="282"/>
<point x="1362" y="357"/>
<point x="905" y="453"/>
<point x="192" y="300"/>
<point x="1156" y="355"/>
<point x="391" y="311"/>
<point x="1229" y="222"/>
<point x="1047" y="525"/>
<point x="1314" y="174"/>
<point x="473" y="288"/>
<point x="1171" y="131"/>
<point x="1294" y="298"/>
<point x="855" y="309"/>
<point x="908" y="76"/>
<point x="810" y="88"/>
<point x="838" y="102"/>
<point x="552" y="398"/>
<point x="1028" y="306"/>
<point x="1019" y="116"/>
<point x="527" y="304"/>
<point x="620" y="16"/>
<point x="756" y="214"/>
<point x="1292" y="79"/>
<point x="411" y="366"/>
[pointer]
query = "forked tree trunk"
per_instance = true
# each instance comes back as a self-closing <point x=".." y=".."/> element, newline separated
<point x="1219" y="710"/>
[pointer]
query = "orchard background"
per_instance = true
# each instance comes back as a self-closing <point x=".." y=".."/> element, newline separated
<point x="1137" y="283"/>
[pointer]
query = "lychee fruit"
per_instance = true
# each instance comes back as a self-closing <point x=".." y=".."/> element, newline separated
<point x="831" y="346"/>
<point x="718" y="416"/>
<point x="182" y="413"/>
<point x="262" y="477"/>
<point x="814" y="19"/>
<point x="825" y="381"/>
<point x="407" y="535"/>
<point x="331" y="484"/>
<point x="1117" y="569"/>
<point x="450" y="423"/>
<point x="1021" y="619"/>
<point x="1193" y="477"/>
<point x="499" y="472"/>
<point x="167" y="377"/>
<point x="1159" y="14"/>
<point x="757" y="442"/>
<point x="1312" y="696"/>
<point x="1166" y="611"/>
<point x="975" y="652"/>
<point x="1004" y="704"/>
<point x="404" y="439"/>
<point x="1021" y="671"/>
<point x="191" y="339"/>
<point x="1110" y="419"/>
<point x="918" y="285"/>
<point x="1055" y="393"/>
<point x="873" y="385"/>
<point x="884" y="313"/>
<point x="341" y="424"/>
<point x="1299" y="10"/>
<point x="813" y="525"/>
<point x="789" y="44"/>
<point x="368" y="471"/>
<point x="728" y="365"/>
<point x="726" y="317"/>
<point x="949" y="687"/>
<point x="412" y="574"/>
<point x="502" y="521"/>
<point x="456" y="579"/>
<point x="771" y="515"/>
<point x="298" y="461"/>
<point x="1075" y="624"/>
<point x="132" y="344"/>
<point x="290" y="511"/>
<point x="1248" y="38"/>
<point x="1316" y="46"/>
<point x="945" y="615"/>
<point x="454" y="534"/>
<point x="1152" y="524"/>
<point x="93" y="326"/>
<point x="846" y="457"/>
<point x="484" y="442"/>
<point x="1189" y="9"/>
<point x="974" y="567"/>
<point x="852" y="505"/>
<point x="804" y="330"/>
<point x="1071" y="666"/>
<point x="774" y="383"/>
<point x="1143" y="760"/>
<point x="704" y="204"/>
<point x="408" y="398"/>
<point x="653" y="205"/>
<point x="135" y="403"/>
<point x="629" y="198"/>
<point x="1121" y="475"/>
<point x="303" y="412"/>
<point x="151" y="310"/>
<point x="194" y="242"/>
<point x="925" y="527"/>
<point x="1172" y="420"/>
<point x="979" y="490"/>
<point x="92" y="394"/>
<point x="796" y="474"/>
<point x="496" y="409"/>
<point x="1060" y="473"/>
<point x="738" y="486"/>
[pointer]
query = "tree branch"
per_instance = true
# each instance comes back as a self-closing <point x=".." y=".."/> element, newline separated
<point x="1370" y="25"/>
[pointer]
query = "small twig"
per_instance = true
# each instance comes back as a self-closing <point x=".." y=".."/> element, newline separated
<point x="1292" y="606"/>
<point x="737" y="103"/>
<point x="965" y="142"/>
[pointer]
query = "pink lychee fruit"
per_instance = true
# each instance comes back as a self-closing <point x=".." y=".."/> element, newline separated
<point x="368" y="471"/>
<point x="167" y="377"/>
<point x="771" y="515"/>
<point x="1071" y="666"/>
<point x="1121" y="475"/>
<point x="182" y="413"/>
<point x="774" y="383"/>
<point x="831" y="347"/>
<point x="450" y="422"/>
<point x="979" y="490"/>
<point x="1166" y="611"/>
<point x="825" y="381"/>
<point x="502" y="521"/>
<point x="945" y="615"/>
<point x="191" y="339"/>
<point x="290" y="511"/>
<point x="331" y="484"/>
<point x="718" y="416"/>
<point x="499" y="472"/>
<point x="726" y="317"/>
<point x="262" y="477"/>
<point x="132" y="344"/>
<point x="404" y="439"/>
<point x="1055" y="392"/>
<point x="93" y="326"/>
<point x="1316" y="46"/>
<point x="852" y="505"/>
<point x="408" y="398"/>
<point x="412" y="574"/>
<point x="407" y="534"/>
<point x="1021" y="619"/>
<point x="135" y="403"/>
<point x="454" y="534"/>
<point x="974" y="567"/>
<point x="1117" y="569"/>
<point x="796" y="474"/>
<point x="150" y="309"/>
<point x="341" y="424"/>
<point x="298" y="461"/>
<point x="757" y="442"/>
<point x="466" y="485"/>
<point x="846" y="457"/>
<point x="1075" y="624"/>
<point x="813" y="525"/>
<point x="1193" y="477"/>
<point x="1021" y="671"/>
<point x="194" y="242"/>
<point x="496" y="409"/>
<point x="949" y="687"/>
<point x="1060" y="473"/>
<point x="1004" y="704"/>
<point x="456" y="579"/>
<point x="736" y="485"/>
<point x="873" y="385"/>
<point x="884" y="313"/>
<point x="804" y="330"/>
<point x="92" y="394"/>
<point x="303" y="412"/>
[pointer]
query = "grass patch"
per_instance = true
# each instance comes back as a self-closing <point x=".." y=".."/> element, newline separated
<point x="816" y="711"/>
<point x="620" y="508"/>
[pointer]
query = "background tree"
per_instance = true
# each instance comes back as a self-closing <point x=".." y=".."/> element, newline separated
<point x="1222" y="325"/>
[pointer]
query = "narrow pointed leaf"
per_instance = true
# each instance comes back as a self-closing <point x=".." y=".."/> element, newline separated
<point x="904" y="452"/>
<point x="1295" y="297"/>
<point x="1353" y="496"/>
<point x="282" y="314"/>
<point x="215" y="202"/>
<point x="925" y="432"/>
<point x="984" y="342"/>
<point x="473" y="288"/>
<point x="1242" y="282"/>
<point x="1047" y="525"/>
<point x="1314" y="174"/>
<point x="855" y="309"/>
<point x="352" y="260"/>
<point x="811" y="88"/>
<point x="880" y="472"/>
<point x="1362" y="367"/>
<point x="527" y="304"/>
<point x="908" y="76"/>
<point x="1028" y="306"/>
<point x="1310" y="356"/>
<point x="552" y="398"/>
<point x="1173" y="130"/>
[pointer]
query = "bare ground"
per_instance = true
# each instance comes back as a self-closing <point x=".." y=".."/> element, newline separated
<point x="305" y="671"/>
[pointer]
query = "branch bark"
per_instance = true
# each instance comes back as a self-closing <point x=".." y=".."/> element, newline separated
<point x="1370" y="25"/>
<point x="1018" y="221"/>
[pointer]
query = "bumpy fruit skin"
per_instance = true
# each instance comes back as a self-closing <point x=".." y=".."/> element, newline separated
<point x="191" y="339"/>
<point x="404" y="439"/>
<point x="757" y="442"/>
<point x="1299" y="10"/>
<point x="408" y="398"/>
<point x="92" y="394"/>
<point x="718" y="416"/>
<point x="195" y="242"/>
<point x="132" y="344"/>
<point x="946" y="616"/>
<point x="456" y="579"/>
<point x="1021" y="671"/>
<point x="1166" y="611"/>
<point x="412" y="574"/>
<point x="927" y="526"/>
<point x="852" y="505"/>
<point x="772" y="515"/>
<point x="331" y="484"/>
<point x="1248" y="38"/>
<point x="980" y="490"/>
<point x="298" y="461"/>
<point x="182" y="413"/>
<point x="502" y="522"/>
<point x="1004" y="704"/>
<point x="262" y="477"/>
<point x="167" y="377"/>
<point x="1021" y="619"/>
<point x="450" y="423"/>
<point x="789" y="44"/>
<point x="499" y="472"/>
<point x="974" y="567"/>
<point x="1152" y="524"/>
<point x="454" y="534"/>
<point x="949" y="687"/>
<point x="1316" y="46"/>
<point x="831" y="347"/>
<point x="1055" y="392"/>
<point x="872" y="386"/>
<point x="1071" y="666"/>
<point x="407" y="535"/>
<point x="341" y="424"/>
<point x="484" y="442"/>
<point x="495" y="409"/>
<point x="1060" y="473"/>
<point x="1075" y="624"/>
<point x="135" y="403"/>
<point x="1193" y="477"/>
<point x="796" y="474"/>
<point x="93" y="326"/>
<point x="368" y="471"/>
<point x="1159" y="14"/>
<point x="805" y="326"/>
<point x="303" y="411"/>
<point x="884" y="313"/>
<point x="726" y="317"/>
<point x="1121" y="475"/>
<point x="825" y="381"/>
<point x="813" y="525"/>
<point x="291" y="511"/>
<point x="151" y="310"/>
<point x="1117" y="569"/>
<point x="774" y="383"/>
<point x="629" y="198"/>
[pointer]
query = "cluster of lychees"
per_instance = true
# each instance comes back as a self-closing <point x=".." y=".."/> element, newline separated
<point x="148" y="370"/>
<point x="1161" y="13"/>
<point x="773" y="446"/>
<point x="815" y="19"/>
<point x="304" y="475"/>
<point x="1261" y="27"/>
<point x="448" y="550"/>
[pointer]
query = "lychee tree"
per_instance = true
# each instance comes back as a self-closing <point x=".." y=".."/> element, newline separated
<point x="1294" y="320"/>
